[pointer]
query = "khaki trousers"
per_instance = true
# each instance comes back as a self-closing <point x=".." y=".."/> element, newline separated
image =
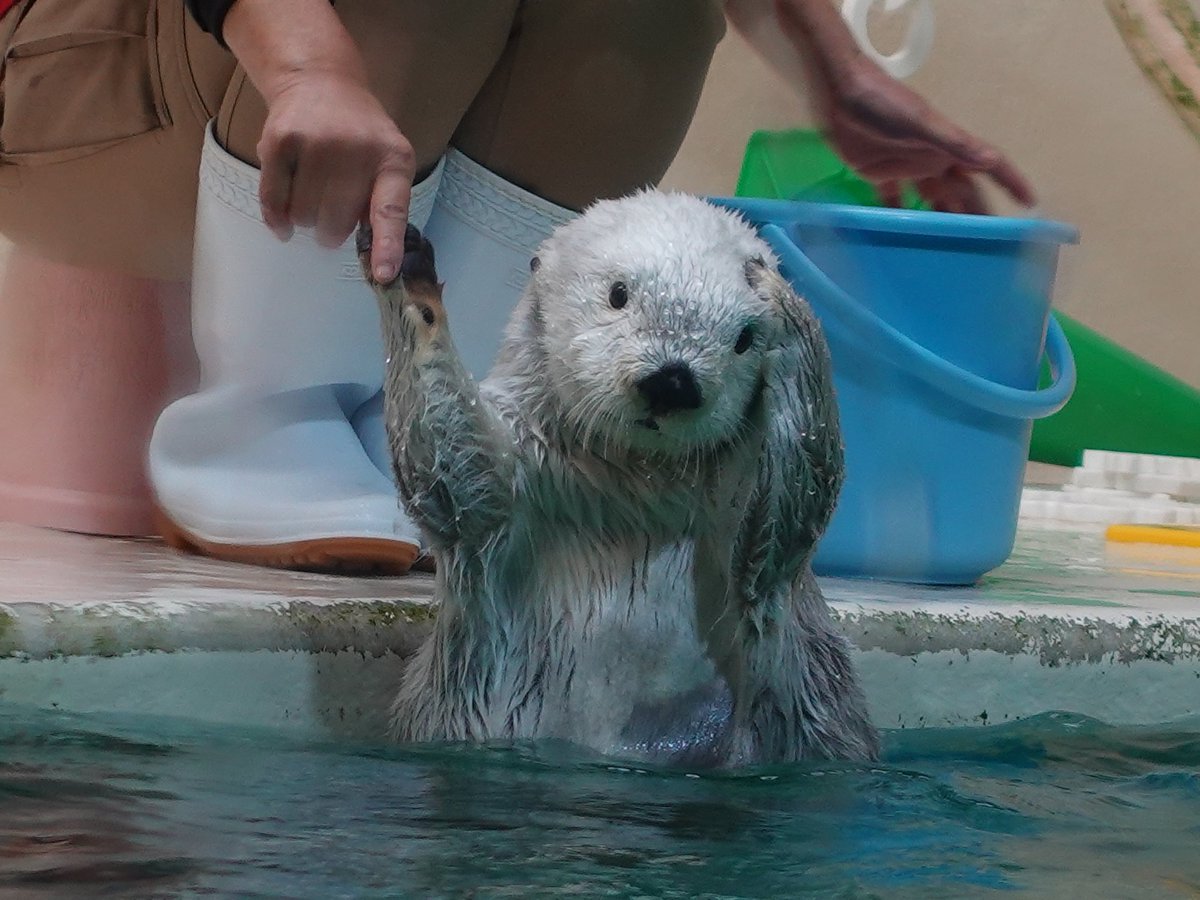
<point x="104" y="103"/>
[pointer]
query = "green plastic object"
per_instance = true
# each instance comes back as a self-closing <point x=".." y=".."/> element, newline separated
<point x="799" y="165"/>
<point x="1121" y="402"/>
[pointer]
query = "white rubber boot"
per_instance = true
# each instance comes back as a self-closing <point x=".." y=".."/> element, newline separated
<point x="484" y="231"/>
<point x="261" y="465"/>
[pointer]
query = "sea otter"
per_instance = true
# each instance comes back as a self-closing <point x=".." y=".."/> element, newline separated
<point x="624" y="512"/>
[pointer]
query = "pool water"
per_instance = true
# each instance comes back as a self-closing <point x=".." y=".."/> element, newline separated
<point x="1057" y="805"/>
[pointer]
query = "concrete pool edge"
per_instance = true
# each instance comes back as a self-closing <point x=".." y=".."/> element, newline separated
<point x="94" y="626"/>
<point x="42" y="630"/>
<point x="346" y="695"/>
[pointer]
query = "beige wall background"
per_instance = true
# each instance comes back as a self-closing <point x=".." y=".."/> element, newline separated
<point x="1053" y="85"/>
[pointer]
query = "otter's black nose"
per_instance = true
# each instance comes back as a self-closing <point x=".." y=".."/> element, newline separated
<point x="671" y="388"/>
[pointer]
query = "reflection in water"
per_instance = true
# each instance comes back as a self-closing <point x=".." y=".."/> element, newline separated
<point x="75" y="815"/>
<point x="1054" y="806"/>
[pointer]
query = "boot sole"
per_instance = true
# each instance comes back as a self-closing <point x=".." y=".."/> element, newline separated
<point x="330" y="556"/>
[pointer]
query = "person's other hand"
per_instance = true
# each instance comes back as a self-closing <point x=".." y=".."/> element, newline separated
<point x="332" y="157"/>
<point x="888" y="134"/>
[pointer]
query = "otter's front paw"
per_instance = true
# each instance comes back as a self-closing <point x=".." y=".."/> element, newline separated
<point x="416" y="293"/>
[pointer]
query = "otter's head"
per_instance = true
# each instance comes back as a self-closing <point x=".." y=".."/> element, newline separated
<point x="652" y="320"/>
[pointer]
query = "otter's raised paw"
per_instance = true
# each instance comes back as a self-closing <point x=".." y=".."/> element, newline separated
<point x="418" y="266"/>
<point x="416" y="292"/>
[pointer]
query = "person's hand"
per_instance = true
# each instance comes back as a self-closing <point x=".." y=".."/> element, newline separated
<point x="332" y="157"/>
<point x="330" y="154"/>
<point x="888" y="134"/>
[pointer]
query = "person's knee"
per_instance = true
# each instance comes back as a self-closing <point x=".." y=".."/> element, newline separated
<point x="586" y="104"/>
<point x="128" y="209"/>
<point x="426" y="59"/>
<point x="100" y="140"/>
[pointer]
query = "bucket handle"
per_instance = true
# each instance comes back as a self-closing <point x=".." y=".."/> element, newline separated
<point x="905" y="353"/>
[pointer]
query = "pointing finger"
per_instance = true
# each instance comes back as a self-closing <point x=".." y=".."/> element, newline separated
<point x="390" y="200"/>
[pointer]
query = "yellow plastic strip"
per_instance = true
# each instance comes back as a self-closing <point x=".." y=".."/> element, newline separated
<point x="1173" y="535"/>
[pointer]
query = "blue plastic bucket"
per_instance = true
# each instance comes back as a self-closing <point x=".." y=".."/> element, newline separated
<point x="936" y="324"/>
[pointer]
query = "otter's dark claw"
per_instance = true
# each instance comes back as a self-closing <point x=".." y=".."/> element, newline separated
<point x="363" y="238"/>
<point x="418" y="265"/>
<point x="417" y="268"/>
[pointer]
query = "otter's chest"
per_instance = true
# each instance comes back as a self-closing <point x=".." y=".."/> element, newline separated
<point x="620" y="618"/>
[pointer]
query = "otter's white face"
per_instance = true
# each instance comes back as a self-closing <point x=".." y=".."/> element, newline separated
<point x="652" y="324"/>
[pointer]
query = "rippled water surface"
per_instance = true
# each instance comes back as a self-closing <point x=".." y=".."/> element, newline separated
<point x="1057" y="806"/>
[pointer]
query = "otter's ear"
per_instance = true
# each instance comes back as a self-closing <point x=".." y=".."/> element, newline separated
<point x="535" y="263"/>
<point x="754" y="268"/>
<point x="790" y="310"/>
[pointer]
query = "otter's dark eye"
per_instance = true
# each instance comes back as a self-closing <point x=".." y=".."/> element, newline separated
<point x="744" y="339"/>
<point x="618" y="294"/>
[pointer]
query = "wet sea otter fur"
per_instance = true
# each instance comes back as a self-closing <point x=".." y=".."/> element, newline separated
<point x="624" y="512"/>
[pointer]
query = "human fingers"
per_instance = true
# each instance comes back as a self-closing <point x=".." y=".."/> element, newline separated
<point x="965" y="193"/>
<point x="953" y="191"/>
<point x="308" y="186"/>
<point x="929" y="168"/>
<point x="389" y="206"/>
<point x="903" y="166"/>
<point x="1005" y="174"/>
<point x="343" y="204"/>
<point x="975" y="155"/>
<point x="277" y="159"/>
<point x="889" y="192"/>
